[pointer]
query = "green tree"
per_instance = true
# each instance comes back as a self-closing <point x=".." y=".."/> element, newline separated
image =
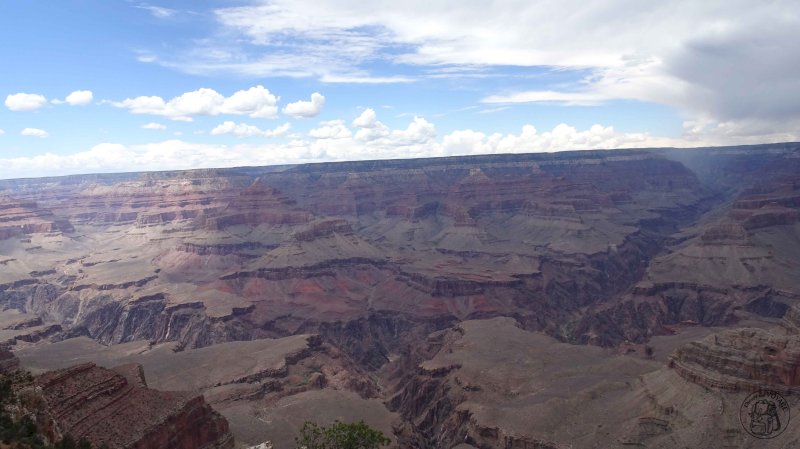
<point x="340" y="435"/>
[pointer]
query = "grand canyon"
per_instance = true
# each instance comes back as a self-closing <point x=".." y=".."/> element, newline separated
<point x="585" y="299"/>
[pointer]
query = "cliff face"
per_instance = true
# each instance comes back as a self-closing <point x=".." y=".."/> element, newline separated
<point x="535" y="236"/>
<point x="741" y="255"/>
<point x="18" y="218"/>
<point x="115" y="408"/>
<point x="545" y="238"/>
<point x="741" y="359"/>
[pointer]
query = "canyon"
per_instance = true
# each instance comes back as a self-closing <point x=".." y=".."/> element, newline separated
<point x="586" y="299"/>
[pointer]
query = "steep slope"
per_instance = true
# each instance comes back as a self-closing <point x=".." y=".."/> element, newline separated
<point x="115" y="408"/>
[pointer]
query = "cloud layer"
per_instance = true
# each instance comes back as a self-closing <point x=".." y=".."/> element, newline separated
<point x="727" y="62"/>
<point x="333" y="140"/>
<point x="245" y="130"/>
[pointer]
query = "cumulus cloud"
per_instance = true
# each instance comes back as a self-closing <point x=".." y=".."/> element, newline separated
<point x="34" y="132"/>
<point x="79" y="98"/>
<point x="306" y="109"/>
<point x="25" y="102"/>
<point x="154" y="125"/>
<point x="369" y="127"/>
<point x="367" y="119"/>
<point x="245" y="130"/>
<point x="256" y="102"/>
<point x="332" y="129"/>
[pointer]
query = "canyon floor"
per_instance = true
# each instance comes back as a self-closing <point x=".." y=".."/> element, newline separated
<point x="592" y="299"/>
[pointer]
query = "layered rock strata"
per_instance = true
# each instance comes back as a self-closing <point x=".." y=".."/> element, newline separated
<point x="116" y="409"/>
<point x="741" y="360"/>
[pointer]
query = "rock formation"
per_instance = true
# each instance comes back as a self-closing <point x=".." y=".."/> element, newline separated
<point x="18" y="218"/>
<point x="741" y="360"/>
<point x="115" y="408"/>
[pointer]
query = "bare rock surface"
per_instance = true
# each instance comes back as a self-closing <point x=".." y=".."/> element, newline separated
<point x="115" y="408"/>
<point x="243" y="380"/>
<point x="742" y="360"/>
<point x="492" y="384"/>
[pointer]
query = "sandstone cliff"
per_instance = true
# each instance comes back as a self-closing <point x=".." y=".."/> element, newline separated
<point x="115" y="408"/>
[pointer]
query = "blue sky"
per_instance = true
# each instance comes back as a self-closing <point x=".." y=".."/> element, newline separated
<point x="106" y="85"/>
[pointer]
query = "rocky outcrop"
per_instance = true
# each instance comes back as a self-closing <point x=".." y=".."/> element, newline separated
<point x="115" y="408"/>
<point x="246" y="249"/>
<point x="323" y="229"/>
<point x="725" y="234"/>
<point x="741" y="360"/>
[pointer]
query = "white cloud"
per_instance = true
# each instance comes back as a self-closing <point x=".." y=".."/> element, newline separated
<point x="154" y="125"/>
<point x="256" y="102"/>
<point x="370" y="128"/>
<point x="364" y="79"/>
<point x="245" y="130"/>
<point x="712" y="60"/>
<point x="332" y="129"/>
<point x="492" y="110"/>
<point x="25" y="102"/>
<point x="157" y="11"/>
<point x="305" y="109"/>
<point x="335" y="141"/>
<point x="2" y="132"/>
<point x="145" y="56"/>
<point x="166" y="155"/>
<point x="419" y="131"/>
<point x="79" y="98"/>
<point x="562" y="137"/>
<point x="34" y="132"/>
<point x="367" y="119"/>
<point x="549" y="96"/>
<point x="376" y="132"/>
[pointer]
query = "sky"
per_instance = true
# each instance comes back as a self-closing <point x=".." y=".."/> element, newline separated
<point x="115" y="85"/>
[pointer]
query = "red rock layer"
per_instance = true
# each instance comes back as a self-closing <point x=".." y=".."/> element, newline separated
<point x="25" y="217"/>
<point x="255" y="205"/>
<point x="114" y="407"/>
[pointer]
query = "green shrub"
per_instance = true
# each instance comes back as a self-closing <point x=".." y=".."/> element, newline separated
<point x="340" y="436"/>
